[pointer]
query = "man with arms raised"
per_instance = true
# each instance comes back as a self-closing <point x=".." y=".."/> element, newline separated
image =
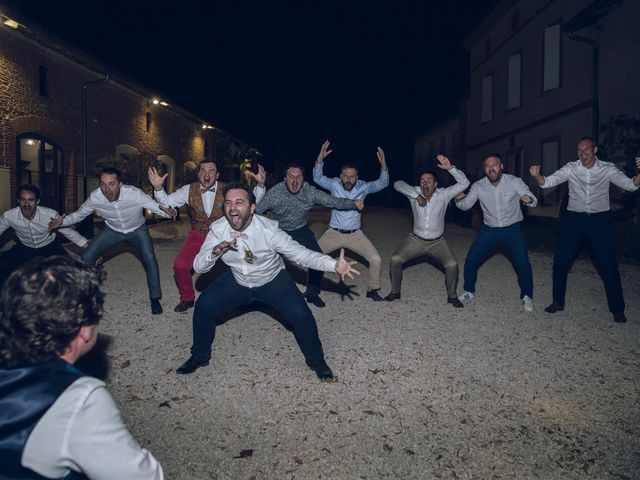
<point x="289" y="202"/>
<point x="344" y="227"/>
<point x="204" y="201"/>
<point x="251" y="245"/>
<point x="121" y="206"/>
<point x="30" y="222"/>
<point x="429" y="205"/>
<point x="55" y="421"/>
<point x="500" y="195"/>
<point x="588" y="217"/>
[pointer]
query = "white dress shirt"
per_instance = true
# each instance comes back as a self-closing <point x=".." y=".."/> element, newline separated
<point x="181" y="197"/>
<point x="589" y="187"/>
<point x="83" y="431"/>
<point x="257" y="261"/>
<point x="35" y="233"/>
<point x="428" y="221"/>
<point x="123" y="215"/>
<point x="501" y="203"/>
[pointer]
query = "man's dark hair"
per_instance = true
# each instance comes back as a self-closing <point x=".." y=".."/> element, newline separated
<point x="206" y="160"/>
<point x="112" y="171"/>
<point x="430" y="172"/>
<point x="43" y="307"/>
<point x="239" y="186"/>
<point x="348" y="165"/>
<point x="293" y="165"/>
<point x="29" y="188"/>
<point x="492" y="155"/>
<point x="593" y="142"/>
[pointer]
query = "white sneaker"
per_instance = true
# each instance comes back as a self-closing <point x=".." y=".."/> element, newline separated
<point x="466" y="296"/>
<point x="527" y="304"/>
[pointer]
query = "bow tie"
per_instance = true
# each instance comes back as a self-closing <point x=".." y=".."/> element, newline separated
<point x="235" y="234"/>
<point x="204" y="190"/>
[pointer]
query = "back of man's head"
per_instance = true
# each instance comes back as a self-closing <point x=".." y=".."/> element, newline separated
<point x="43" y="307"/>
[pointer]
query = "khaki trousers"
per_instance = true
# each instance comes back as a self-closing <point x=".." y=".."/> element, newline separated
<point x="358" y="243"/>
<point x="438" y="250"/>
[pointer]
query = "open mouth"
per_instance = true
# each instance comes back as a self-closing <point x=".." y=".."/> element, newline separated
<point x="236" y="220"/>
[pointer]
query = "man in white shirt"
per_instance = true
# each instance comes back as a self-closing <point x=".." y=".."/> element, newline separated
<point x="251" y="245"/>
<point x="55" y="421"/>
<point x="588" y="217"/>
<point x="204" y="201"/>
<point x="429" y="205"/>
<point x="121" y="206"/>
<point x="500" y="195"/>
<point x="30" y="222"/>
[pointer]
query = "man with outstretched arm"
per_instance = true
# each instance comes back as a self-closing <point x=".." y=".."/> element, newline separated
<point x="251" y="245"/>
<point x="429" y="205"/>
<point x="122" y="207"/>
<point x="588" y="217"/>
<point x="289" y="203"/>
<point x="344" y="227"/>
<point x="500" y="196"/>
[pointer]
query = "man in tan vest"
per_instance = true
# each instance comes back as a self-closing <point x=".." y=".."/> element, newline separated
<point x="204" y="202"/>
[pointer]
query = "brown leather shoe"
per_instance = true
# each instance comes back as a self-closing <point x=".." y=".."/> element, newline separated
<point x="455" y="302"/>
<point x="183" y="307"/>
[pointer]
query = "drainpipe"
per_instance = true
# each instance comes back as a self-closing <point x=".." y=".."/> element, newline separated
<point x="84" y="130"/>
<point x="594" y="108"/>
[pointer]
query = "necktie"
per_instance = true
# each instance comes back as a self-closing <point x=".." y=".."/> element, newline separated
<point x="235" y="234"/>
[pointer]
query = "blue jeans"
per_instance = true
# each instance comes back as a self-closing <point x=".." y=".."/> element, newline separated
<point x="281" y="294"/>
<point x="140" y="239"/>
<point x="305" y="237"/>
<point x="487" y="240"/>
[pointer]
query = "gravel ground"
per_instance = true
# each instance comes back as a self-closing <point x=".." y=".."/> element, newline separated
<point x="423" y="390"/>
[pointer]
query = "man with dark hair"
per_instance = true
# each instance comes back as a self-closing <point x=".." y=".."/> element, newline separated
<point x="30" y="222"/>
<point x="54" y="420"/>
<point x="429" y="205"/>
<point x="289" y="202"/>
<point x="588" y="217"/>
<point x="121" y="206"/>
<point x="204" y="202"/>
<point x="251" y="245"/>
<point x="500" y="195"/>
<point x="344" y="227"/>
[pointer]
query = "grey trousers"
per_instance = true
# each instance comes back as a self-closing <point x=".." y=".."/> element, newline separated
<point x="439" y="250"/>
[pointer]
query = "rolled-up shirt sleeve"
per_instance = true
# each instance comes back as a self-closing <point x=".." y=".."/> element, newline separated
<point x="287" y="246"/>
<point x="204" y="261"/>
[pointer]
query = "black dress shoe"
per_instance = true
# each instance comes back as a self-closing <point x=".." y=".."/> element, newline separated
<point x="322" y="370"/>
<point x="156" y="308"/>
<point x="374" y="295"/>
<point x="191" y="366"/>
<point x="455" y="302"/>
<point x="317" y="301"/>
<point x="619" y="317"/>
<point x="183" y="307"/>
<point x="392" y="296"/>
<point x="554" y="307"/>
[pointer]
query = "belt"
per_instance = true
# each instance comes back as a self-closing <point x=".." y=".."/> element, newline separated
<point x="430" y="239"/>
<point x="340" y="230"/>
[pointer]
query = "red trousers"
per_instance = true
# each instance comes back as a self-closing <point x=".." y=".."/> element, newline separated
<point x="183" y="265"/>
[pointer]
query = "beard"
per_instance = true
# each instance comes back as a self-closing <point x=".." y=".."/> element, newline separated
<point x="238" y="220"/>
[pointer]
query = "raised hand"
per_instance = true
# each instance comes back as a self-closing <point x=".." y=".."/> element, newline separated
<point x="155" y="179"/>
<point x="224" y="246"/>
<point x="444" y="162"/>
<point x="534" y="171"/>
<point x="526" y="199"/>
<point x="345" y="268"/>
<point x="421" y="201"/>
<point x="460" y="196"/>
<point x="381" y="159"/>
<point x="638" y="162"/>
<point x="261" y="176"/>
<point x="56" y="223"/>
<point x="324" y="152"/>
<point x="169" y="211"/>
<point x="359" y="204"/>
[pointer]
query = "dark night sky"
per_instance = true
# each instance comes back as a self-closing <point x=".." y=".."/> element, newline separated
<point x="286" y="75"/>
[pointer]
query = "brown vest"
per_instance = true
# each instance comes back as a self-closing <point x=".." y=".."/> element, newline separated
<point x="200" y="222"/>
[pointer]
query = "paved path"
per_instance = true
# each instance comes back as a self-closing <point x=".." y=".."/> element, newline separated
<point x="423" y="390"/>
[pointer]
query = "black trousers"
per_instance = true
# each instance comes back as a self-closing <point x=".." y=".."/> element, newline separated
<point x="305" y="237"/>
<point x="597" y="230"/>
<point x="19" y="254"/>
